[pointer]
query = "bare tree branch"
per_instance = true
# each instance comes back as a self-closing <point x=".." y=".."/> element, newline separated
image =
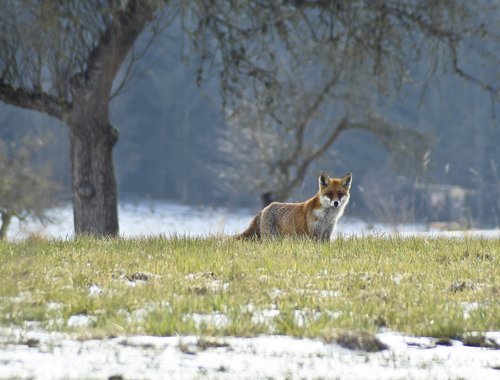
<point x="163" y="19"/>
<point x="38" y="101"/>
<point x="114" y="44"/>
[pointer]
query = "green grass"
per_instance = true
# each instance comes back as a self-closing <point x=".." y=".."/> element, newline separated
<point x="431" y="287"/>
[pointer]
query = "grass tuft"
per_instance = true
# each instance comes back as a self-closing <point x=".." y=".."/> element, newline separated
<point x="216" y="287"/>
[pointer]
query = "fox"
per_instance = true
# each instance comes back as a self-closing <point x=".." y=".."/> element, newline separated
<point x="314" y="218"/>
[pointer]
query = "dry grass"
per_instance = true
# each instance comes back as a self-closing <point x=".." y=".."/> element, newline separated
<point x="218" y="287"/>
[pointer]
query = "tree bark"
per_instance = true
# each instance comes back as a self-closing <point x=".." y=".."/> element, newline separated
<point x="92" y="138"/>
<point x="6" y="219"/>
<point x="85" y="111"/>
<point x="95" y="209"/>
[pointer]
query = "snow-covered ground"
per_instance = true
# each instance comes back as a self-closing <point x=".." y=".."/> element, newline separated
<point x="32" y="353"/>
<point x="153" y="218"/>
<point x="41" y="355"/>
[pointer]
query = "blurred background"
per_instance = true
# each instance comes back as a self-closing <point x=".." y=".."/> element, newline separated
<point x="197" y="128"/>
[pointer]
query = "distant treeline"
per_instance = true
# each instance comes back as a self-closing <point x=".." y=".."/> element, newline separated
<point x="170" y="131"/>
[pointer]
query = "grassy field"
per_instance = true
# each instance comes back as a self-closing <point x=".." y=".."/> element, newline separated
<point x="157" y="286"/>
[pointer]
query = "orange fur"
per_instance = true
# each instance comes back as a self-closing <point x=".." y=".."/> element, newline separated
<point x="315" y="218"/>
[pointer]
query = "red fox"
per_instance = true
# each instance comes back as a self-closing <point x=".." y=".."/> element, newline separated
<point x="314" y="218"/>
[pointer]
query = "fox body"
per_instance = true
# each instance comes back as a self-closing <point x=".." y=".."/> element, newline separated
<point x="314" y="218"/>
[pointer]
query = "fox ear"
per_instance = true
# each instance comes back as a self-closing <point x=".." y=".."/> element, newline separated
<point x="346" y="181"/>
<point x="323" y="180"/>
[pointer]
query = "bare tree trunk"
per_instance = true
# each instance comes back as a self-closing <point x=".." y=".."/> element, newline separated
<point x="6" y="219"/>
<point x="93" y="176"/>
<point x="80" y="93"/>
<point x="92" y="138"/>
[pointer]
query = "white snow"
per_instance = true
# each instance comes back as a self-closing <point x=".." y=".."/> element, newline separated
<point x="80" y="320"/>
<point x="43" y="355"/>
<point x="145" y="219"/>
<point x="218" y="320"/>
<point x="156" y="218"/>
<point x="95" y="290"/>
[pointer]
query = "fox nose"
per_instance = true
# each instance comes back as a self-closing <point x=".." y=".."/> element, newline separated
<point x="336" y="204"/>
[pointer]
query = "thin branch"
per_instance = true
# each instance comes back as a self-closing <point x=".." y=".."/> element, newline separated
<point x="302" y="168"/>
<point x="126" y="76"/>
<point x="460" y="72"/>
<point x="311" y="111"/>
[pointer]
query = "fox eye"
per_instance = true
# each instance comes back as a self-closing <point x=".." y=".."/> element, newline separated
<point x="341" y="194"/>
<point x="330" y="195"/>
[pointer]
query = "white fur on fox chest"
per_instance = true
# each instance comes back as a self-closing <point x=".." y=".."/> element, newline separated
<point x="326" y="217"/>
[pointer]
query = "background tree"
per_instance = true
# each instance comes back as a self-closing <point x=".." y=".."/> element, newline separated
<point x="26" y="190"/>
<point x="270" y="55"/>
<point x="271" y="155"/>
<point x="62" y="58"/>
<point x="296" y="74"/>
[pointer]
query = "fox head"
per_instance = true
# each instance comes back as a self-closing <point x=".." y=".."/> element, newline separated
<point x="334" y="192"/>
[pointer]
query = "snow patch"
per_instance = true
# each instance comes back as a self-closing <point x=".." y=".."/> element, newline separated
<point x="39" y="354"/>
<point x="81" y="320"/>
<point x="217" y="320"/>
<point x="469" y="307"/>
<point x="95" y="291"/>
<point x="170" y="219"/>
